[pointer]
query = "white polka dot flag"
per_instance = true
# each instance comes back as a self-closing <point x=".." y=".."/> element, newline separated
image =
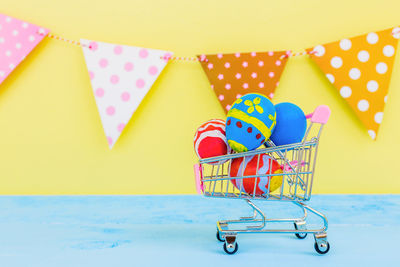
<point x="234" y="75"/>
<point x="121" y="76"/>
<point x="360" y="68"/>
<point x="17" y="39"/>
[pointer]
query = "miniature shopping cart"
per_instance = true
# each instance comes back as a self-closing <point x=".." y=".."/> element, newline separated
<point x="297" y="161"/>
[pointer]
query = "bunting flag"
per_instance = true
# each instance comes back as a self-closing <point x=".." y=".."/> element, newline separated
<point x="17" y="39"/>
<point x="360" y="68"/>
<point x="233" y="75"/>
<point x="120" y="76"/>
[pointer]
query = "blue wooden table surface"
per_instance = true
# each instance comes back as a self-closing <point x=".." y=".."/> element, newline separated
<point x="180" y="231"/>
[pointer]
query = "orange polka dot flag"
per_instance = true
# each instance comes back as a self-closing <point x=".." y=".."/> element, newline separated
<point x="234" y="75"/>
<point x="360" y="68"/>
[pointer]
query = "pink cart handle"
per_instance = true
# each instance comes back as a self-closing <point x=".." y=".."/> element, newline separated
<point x="294" y="164"/>
<point x="197" y="178"/>
<point x="320" y="115"/>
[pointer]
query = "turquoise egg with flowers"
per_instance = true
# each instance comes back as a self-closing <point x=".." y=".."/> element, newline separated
<point x="250" y="121"/>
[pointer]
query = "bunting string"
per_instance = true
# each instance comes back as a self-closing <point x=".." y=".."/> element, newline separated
<point x="202" y="58"/>
<point x="303" y="53"/>
<point x="56" y="37"/>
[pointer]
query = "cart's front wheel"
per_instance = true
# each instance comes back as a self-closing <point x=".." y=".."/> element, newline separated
<point x="322" y="248"/>
<point x="231" y="248"/>
<point x="219" y="237"/>
<point x="299" y="236"/>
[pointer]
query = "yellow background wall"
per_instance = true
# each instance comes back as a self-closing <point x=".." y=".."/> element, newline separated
<point x="51" y="138"/>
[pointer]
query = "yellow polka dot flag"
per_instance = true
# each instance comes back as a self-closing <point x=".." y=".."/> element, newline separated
<point x="234" y="75"/>
<point x="360" y="69"/>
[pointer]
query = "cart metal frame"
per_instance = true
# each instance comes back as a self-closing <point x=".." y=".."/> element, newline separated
<point x="297" y="160"/>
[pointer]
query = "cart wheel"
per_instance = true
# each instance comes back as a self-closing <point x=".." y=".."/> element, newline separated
<point x="323" y="248"/>
<point x="299" y="236"/>
<point x="231" y="248"/>
<point x="219" y="237"/>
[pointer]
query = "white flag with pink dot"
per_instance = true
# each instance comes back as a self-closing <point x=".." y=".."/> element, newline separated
<point x="121" y="76"/>
<point x="17" y="39"/>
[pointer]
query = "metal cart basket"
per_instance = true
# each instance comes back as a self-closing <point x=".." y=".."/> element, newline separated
<point x="297" y="162"/>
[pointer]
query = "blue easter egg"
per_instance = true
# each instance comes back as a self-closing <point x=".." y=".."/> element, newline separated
<point x="291" y="124"/>
<point x="250" y="122"/>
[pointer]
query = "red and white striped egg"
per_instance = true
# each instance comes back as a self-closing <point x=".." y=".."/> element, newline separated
<point x="210" y="140"/>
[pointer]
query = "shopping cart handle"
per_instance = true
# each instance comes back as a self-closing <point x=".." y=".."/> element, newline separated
<point x="197" y="177"/>
<point x="320" y="115"/>
<point x="293" y="163"/>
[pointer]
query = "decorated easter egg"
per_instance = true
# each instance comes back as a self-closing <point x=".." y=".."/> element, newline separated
<point x="210" y="140"/>
<point x="291" y="124"/>
<point x="250" y="122"/>
<point x="266" y="165"/>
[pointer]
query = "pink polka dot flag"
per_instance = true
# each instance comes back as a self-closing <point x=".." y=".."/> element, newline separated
<point x="17" y="39"/>
<point x="121" y="76"/>
<point x="360" y="68"/>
